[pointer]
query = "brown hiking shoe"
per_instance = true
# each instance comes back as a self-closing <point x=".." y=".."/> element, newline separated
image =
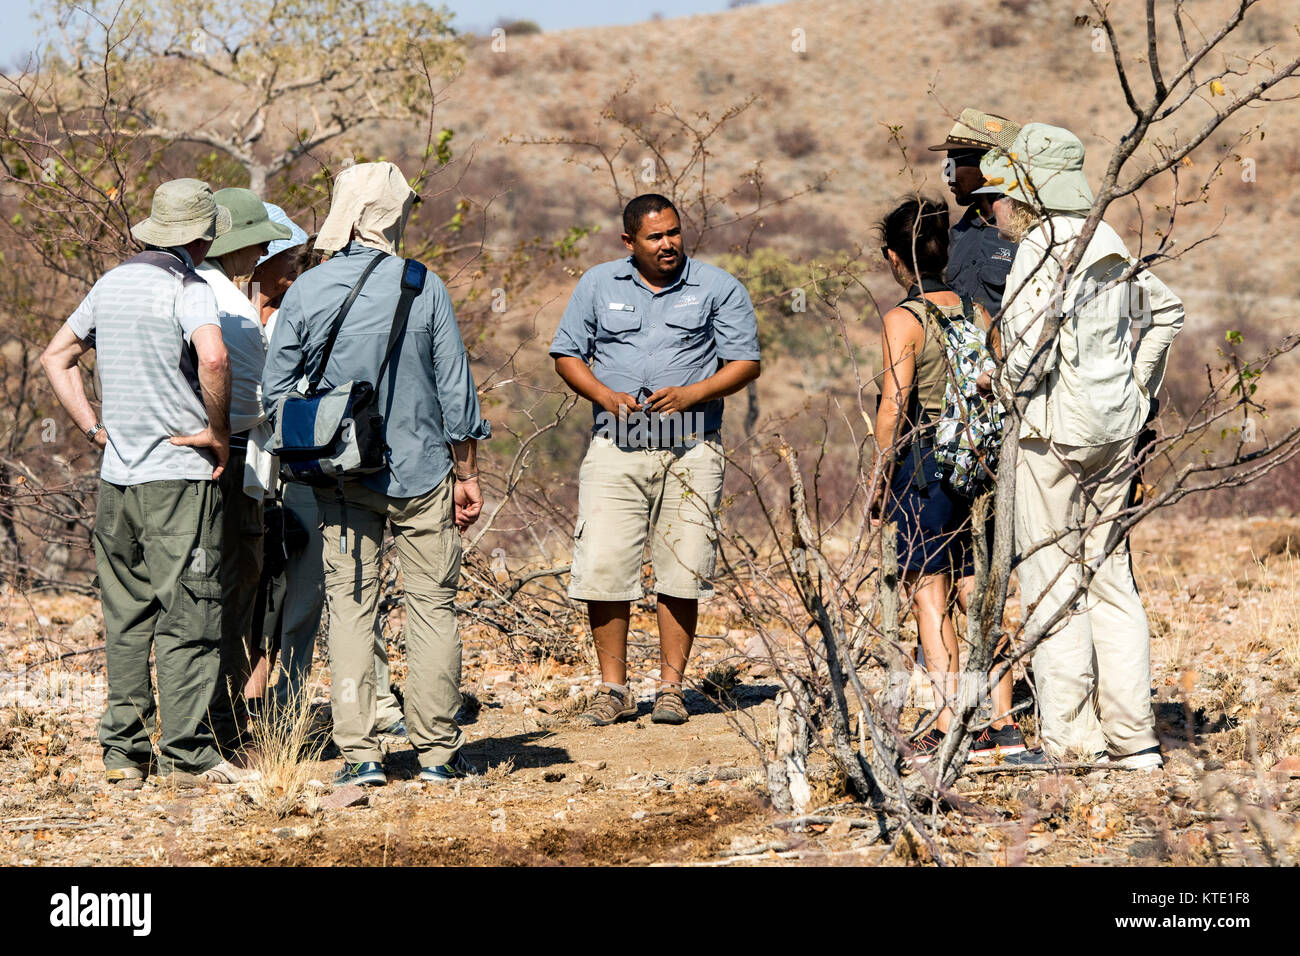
<point x="608" y="707"/>
<point x="670" y="708"/>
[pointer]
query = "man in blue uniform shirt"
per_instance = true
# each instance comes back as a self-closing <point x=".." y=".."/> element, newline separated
<point x="978" y="257"/>
<point x="666" y="337"/>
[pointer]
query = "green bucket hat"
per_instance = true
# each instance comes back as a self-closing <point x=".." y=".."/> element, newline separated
<point x="1044" y="166"/>
<point x="250" y="224"/>
<point x="181" y="211"/>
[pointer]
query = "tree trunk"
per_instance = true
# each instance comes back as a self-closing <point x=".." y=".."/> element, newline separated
<point x="787" y="774"/>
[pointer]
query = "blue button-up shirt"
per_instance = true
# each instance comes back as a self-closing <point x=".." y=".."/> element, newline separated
<point x="427" y="397"/>
<point x="640" y="341"/>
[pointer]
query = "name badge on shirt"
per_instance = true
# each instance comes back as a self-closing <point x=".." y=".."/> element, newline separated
<point x="622" y="307"/>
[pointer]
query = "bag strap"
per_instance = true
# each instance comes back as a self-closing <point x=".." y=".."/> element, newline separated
<point x="936" y="313"/>
<point x="413" y="274"/>
<point x="968" y="309"/>
<point x="314" y="382"/>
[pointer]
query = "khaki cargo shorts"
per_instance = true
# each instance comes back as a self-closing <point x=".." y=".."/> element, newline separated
<point x="670" y="495"/>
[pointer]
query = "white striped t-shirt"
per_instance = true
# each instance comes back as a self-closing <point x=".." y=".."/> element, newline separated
<point x="140" y="319"/>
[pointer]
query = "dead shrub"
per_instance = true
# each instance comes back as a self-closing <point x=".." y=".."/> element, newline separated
<point x="796" y="142"/>
<point x="1000" y="36"/>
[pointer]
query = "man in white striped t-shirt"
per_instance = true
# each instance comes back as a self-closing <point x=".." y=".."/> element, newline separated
<point x="165" y="432"/>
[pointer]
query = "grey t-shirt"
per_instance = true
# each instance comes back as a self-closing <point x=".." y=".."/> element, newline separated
<point x="139" y="318"/>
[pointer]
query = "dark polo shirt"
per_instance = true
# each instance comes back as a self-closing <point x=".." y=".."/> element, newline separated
<point x="979" y="260"/>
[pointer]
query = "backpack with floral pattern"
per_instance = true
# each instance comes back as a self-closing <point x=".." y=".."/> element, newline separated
<point x="969" y="431"/>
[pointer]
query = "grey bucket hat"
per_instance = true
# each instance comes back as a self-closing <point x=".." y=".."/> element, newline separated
<point x="1044" y="167"/>
<point x="250" y="224"/>
<point x="181" y="211"/>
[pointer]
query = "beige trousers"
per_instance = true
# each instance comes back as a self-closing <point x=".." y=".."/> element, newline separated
<point x="670" y="495"/>
<point x="429" y="553"/>
<point x="1093" y="671"/>
<point x="304" y="598"/>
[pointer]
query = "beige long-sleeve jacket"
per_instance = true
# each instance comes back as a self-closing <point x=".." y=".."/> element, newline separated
<point x="1099" y="384"/>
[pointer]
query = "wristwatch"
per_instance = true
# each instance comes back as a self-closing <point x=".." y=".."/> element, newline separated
<point x="94" y="430"/>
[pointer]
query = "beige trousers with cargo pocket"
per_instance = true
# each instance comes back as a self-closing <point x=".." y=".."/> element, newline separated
<point x="429" y="552"/>
<point x="1092" y="673"/>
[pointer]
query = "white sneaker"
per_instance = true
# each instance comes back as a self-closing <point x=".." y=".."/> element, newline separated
<point x="226" y="772"/>
<point x="1142" y="760"/>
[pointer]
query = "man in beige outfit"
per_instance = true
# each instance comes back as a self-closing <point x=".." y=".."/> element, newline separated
<point x="428" y="492"/>
<point x="1076" y="461"/>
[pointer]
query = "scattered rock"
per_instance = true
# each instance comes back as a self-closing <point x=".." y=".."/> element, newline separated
<point x="553" y="776"/>
<point x="639" y="815"/>
<point x="550" y="706"/>
<point x="1288" y="767"/>
<point x="84" y="628"/>
<point x="592" y="764"/>
<point x="1038" y="842"/>
<point x="350" y="795"/>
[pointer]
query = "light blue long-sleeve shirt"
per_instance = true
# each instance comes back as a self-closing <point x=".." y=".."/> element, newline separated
<point x="427" y="397"/>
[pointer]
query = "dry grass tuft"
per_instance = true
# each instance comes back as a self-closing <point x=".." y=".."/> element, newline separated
<point x="720" y="681"/>
<point x="574" y="706"/>
<point x="285" y="744"/>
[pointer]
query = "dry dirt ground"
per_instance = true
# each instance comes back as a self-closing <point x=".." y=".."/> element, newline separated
<point x="1226" y="654"/>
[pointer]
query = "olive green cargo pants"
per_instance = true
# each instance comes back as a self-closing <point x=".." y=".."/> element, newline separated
<point x="158" y="553"/>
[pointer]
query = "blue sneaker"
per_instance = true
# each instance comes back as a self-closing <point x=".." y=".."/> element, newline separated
<point x="1038" y="759"/>
<point x="397" y="732"/>
<point x="458" y="768"/>
<point x="365" y="774"/>
<point x="1029" y="758"/>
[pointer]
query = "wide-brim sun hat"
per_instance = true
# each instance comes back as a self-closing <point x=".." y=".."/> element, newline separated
<point x="182" y="210"/>
<point x="297" y="235"/>
<point x="250" y="225"/>
<point x="1043" y="168"/>
<point x="976" y="129"/>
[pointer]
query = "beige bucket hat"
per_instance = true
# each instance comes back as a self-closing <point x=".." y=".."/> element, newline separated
<point x="181" y="211"/>
<point x="976" y="129"/>
<point x="1043" y="167"/>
